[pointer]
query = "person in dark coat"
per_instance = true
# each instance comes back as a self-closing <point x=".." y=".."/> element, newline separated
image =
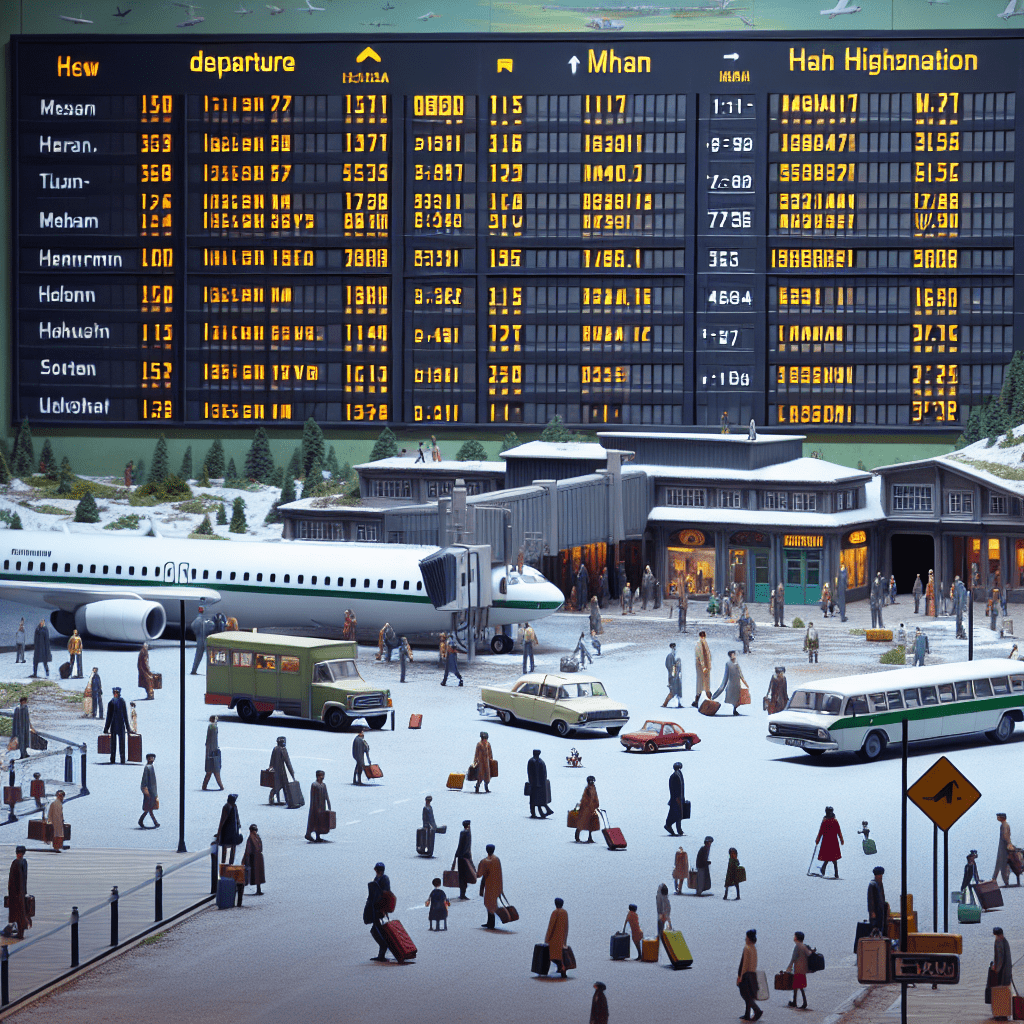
<point x="878" y="915"/>
<point x="674" y="668"/>
<point x="589" y="805"/>
<point x="733" y="683"/>
<point x="281" y="766"/>
<point x="537" y="780"/>
<point x="146" y="676"/>
<point x="360" y="751"/>
<point x="703" y="863"/>
<point x="451" y="663"/>
<point x="96" y="692"/>
<point x="779" y="608"/>
<point x="150" y="800"/>
<point x="583" y="586"/>
<point x="603" y="590"/>
<point x="676" y="796"/>
<point x="229" y="831"/>
<point x="682" y="606"/>
<point x="17" y="889"/>
<point x="778" y="693"/>
<point x="830" y="835"/>
<point x="212" y="761"/>
<point x="732" y="873"/>
<point x="918" y="592"/>
<point x="404" y="657"/>
<point x="252" y="860"/>
<point x="463" y="860"/>
<point x="842" y="581"/>
<point x="41" y="649"/>
<point x="960" y="599"/>
<point x="374" y="911"/>
<point x="746" y="630"/>
<point x="595" y="616"/>
<point x="970" y="879"/>
<point x="1002" y="960"/>
<point x="116" y="723"/>
<point x="319" y="804"/>
<point x="21" y="727"/>
<point x="920" y="646"/>
<point x="437" y="901"/>
<point x="557" y="935"/>
<point x="877" y="601"/>
<point x="19" y="643"/>
<point x="202" y="627"/>
<point x="599" y="1004"/>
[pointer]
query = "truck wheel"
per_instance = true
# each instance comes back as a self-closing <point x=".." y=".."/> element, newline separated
<point x="1003" y="731"/>
<point x="335" y="720"/>
<point x="377" y="721"/>
<point x="246" y="711"/>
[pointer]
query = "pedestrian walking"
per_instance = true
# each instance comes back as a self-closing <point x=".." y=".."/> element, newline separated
<point x="150" y="797"/>
<point x="420" y="454"/>
<point x="780" y="604"/>
<point x="599" y="1004"/>
<point x="892" y="590"/>
<point x="229" y="829"/>
<point x="733" y="683"/>
<point x="21" y="727"/>
<point x="603" y="589"/>
<point x="583" y="587"/>
<point x="537" y="786"/>
<point x="960" y="599"/>
<point x="636" y="932"/>
<point x="451" y="662"/>
<point x="252" y="860"/>
<point x="680" y="870"/>
<point x="529" y="639"/>
<point x="811" y="643"/>
<point x="830" y="835"/>
<point x="703" y="864"/>
<point x="702" y="658"/>
<point x="826" y="599"/>
<point x="482" y="758"/>
<point x="491" y="886"/>
<point x="375" y="908"/>
<point x="96" y="693"/>
<point x="676" y="801"/>
<point x="146" y="676"/>
<point x="319" y="804"/>
<point x="19" y="643"/>
<point x="878" y="913"/>
<point x="682" y="605"/>
<point x="674" y="667"/>
<point x="595" y="616"/>
<point x="75" y="654"/>
<point x="778" y="693"/>
<point x="429" y="823"/>
<point x="202" y="627"/>
<point x="557" y="935"/>
<point x="994" y="608"/>
<point x="732" y="873"/>
<point x="582" y="652"/>
<point x="116" y="723"/>
<point x="627" y="600"/>
<point x="438" y="903"/>
<point x="746" y="978"/>
<point x="970" y="879"/>
<point x="663" y="906"/>
<point x="746" y="629"/>
<point x="918" y="592"/>
<point x="360" y="752"/>
<point x="1000" y="975"/>
<point x="463" y="860"/>
<point x="1002" y="851"/>
<point x="55" y="816"/>
<point x="877" y="600"/>
<point x="281" y="766"/>
<point x="920" y="646"/>
<point x="798" y="965"/>
<point x="588" y="818"/>
<point x="17" y="891"/>
<point x="41" y="649"/>
<point x="841" y="584"/>
<point x="212" y="761"/>
<point x="595" y="643"/>
<point x="404" y="657"/>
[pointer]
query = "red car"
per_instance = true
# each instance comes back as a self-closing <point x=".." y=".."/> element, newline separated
<point x="655" y="736"/>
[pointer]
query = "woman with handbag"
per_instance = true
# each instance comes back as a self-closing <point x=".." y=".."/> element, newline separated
<point x="212" y="753"/>
<point x="734" y="684"/>
<point x="746" y="977"/>
<point x="830" y="835"/>
<point x="798" y="965"/>
<point x="589" y="803"/>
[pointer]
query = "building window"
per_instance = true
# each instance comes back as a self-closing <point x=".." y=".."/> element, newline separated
<point x="911" y="498"/>
<point x="805" y="501"/>
<point x="686" y="497"/>
<point x="391" y="488"/>
<point x="776" y="500"/>
<point x="998" y="504"/>
<point x="474" y="487"/>
<point x="960" y="502"/>
<point x="366" y="531"/>
<point x="729" y="499"/>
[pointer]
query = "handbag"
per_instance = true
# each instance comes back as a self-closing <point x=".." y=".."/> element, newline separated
<point x="573" y="817"/>
<point x="505" y="911"/>
<point x="526" y="789"/>
<point x="815" y="962"/>
<point x="691" y="880"/>
<point x="762" y="987"/>
<point x="741" y="874"/>
<point x="389" y="902"/>
<point x="472" y="772"/>
<point x="568" y="959"/>
<point x="744" y="695"/>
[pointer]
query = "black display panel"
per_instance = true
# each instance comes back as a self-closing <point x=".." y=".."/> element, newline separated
<point x="814" y="233"/>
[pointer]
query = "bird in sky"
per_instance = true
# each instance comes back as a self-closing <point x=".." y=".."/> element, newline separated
<point x="122" y="14"/>
<point x="243" y="11"/>
<point x="274" y="10"/>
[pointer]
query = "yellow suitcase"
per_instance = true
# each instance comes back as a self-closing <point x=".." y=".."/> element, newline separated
<point x="650" y="950"/>
<point x="878" y="635"/>
<point x="456" y="780"/>
<point x="935" y="942"/>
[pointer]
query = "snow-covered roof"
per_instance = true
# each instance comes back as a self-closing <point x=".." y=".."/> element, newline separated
<point x="444" y="466"/>
<point x="796" y="471"/>
<point x="963" y="461"/>
<point x="738" y="436"/>
<point x="559" y="450"/>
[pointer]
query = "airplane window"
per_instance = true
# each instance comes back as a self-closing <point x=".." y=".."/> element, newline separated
<point x="259" y="577"/>
<point x="219" y="574"/>
<point x="245" y="577"/>
<point x="7" y="563"/>
<point x="30" y="564"/>
<point x="273" y="577"/>
<point x="394" y="584"/>
<point x="105" y="570"/>
<point x="193" y="573"/>
<point x="353" y="583"/>
<point x="17" y="565"/>
<point x="79" y="568"/>
<point x="67" y="567"/>
<point x="92" y="568"/>
<point x="156" y="570"/>
<point x="312" y="580"/>
<point x="380" y="584"/>
<point x="327" y="581"/>
<point x="405" y="585"/>
<point x="287" y="578"/>
<point x="55" y="567"/>
<point x="206" y="573"/>
<point x="145" y="570"/>
<point x="300" y="578"/>
<point x="131" y="570"/>
<point x="366" y="583"/>
<point x="419" y="584"/>
<point x="117" y="569"/>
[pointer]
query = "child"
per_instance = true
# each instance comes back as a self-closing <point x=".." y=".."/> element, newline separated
<point x="438" y="903"/>
<point x="732" y="873"/>
<point x="633" y="921"/>
<point x="134" y="718"/>
<point x="597" y="643"/>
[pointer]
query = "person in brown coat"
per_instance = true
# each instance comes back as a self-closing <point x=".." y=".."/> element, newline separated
<point x="599" y="1004"/>
<point x="482" y="759"/>
<point x="145" y="674"/>
<point x="319" y="804"/>
<point x="589" y="803"/>
<point x="681" y="870"/>
<point x="557" y="935"/>
<point x="489" y="873"/>
<point x="702" y="659"/>
<point x="17" y="889"/>
<point x="55" y="816"/>
<point x="253" y="859"/>
<point x="635" y="931"/>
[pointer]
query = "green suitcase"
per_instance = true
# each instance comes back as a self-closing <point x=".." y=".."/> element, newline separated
<point x="968" y="913"/>
<point x="679" y="955"/>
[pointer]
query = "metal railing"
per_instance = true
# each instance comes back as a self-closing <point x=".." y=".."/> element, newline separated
<point x="9" y="953"/>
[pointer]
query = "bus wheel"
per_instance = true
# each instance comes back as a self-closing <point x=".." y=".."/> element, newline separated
<point x="335" y="720"/>
<point x="377" y="721"/>
<point x="874" y="747"/>
<point x="1003" y="731"/>
<point x="246" y="711"/>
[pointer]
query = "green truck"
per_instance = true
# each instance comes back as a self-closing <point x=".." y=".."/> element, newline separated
<point x="260" y="673"/>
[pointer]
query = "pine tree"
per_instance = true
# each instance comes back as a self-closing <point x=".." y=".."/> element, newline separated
<point x="1012" y="394"/>
<point x="287" y="495"/>
<point x="386" y="445"/>
<point x="510" y="440"/>
<point x="186" y="464"/>
<point x="205" y="528"/>
<point x="222" y="516"/>
<point x="237" y="517"/>
<point x="87" y="512"/>
<point x="556" y="430"/>
<point x="15" y="523"/>
<point x="47" y="464"/>
<point x="294" y="469"/>
<point x="161" y="465"/>
<point x="52" y="469"/>
<point x="312" y="445"/>
<point x="66" y="485"/>
<point x="5" y="472"/>
<point x="204" y="477"/>
<point x="215" y="460"/>
<point x="996" y="421"/>
<point x="231" y="474"/>
<point x="315" y="483"/>
<point x="278" y="478"/>
<point x="259" y="461"/>
<point x="24" y="453"/>
<point x="65" y="467"/>
<point x="975" y="423"/>
<point x="471" y="451"/>
<point x="140" y="471"/>
<point x="332" y="463"/>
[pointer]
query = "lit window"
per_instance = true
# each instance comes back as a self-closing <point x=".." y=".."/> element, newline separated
<point x="805" y="501"/>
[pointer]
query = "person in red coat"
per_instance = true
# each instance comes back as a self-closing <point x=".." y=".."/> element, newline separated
<point x="830" y="835"/>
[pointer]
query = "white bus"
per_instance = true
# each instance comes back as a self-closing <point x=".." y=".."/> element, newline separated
<point x="863" y="714"/>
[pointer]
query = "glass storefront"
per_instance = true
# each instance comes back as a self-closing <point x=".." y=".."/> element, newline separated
<point x="748" y="565"/>
<point x="691" y="558"/>
<point x="854" y="555"/>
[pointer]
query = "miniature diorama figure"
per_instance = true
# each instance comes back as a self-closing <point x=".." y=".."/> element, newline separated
<point x="438" y="903"/>
<point x="41" y="649"/>
<point x="703" y="865"/>
<point x="96" y="693"/>
<point x="360" y="752"/>
<point x="583" y="587"/>
<point x="918" y="592"/>
<point x="133" y="718"/>
<point x="482" y="762"/>
<point x="877" y="601"/>
<point x="920" y="646"/>
<point x="878" y="909"/>
<point x="811" y="643"/>
<point x="150" y="797"/>
<point x="842" y="581"/>
<point x="463" y="860"/>
<point x="318" y="821"/>
<point x="538" y="788"/>
<point x="733" y="684"/>
<point x="674" y="667"/>
<point x="734" y="874"/>
<point x="529" y="639"/>
<point x="21" y="727"/>
<point x="746" y="628"/>
<point x="779" y="608"/>
<point x="252" y="860"/>
<point x="281" y="766"/>
<point x="116" y="723"/>
<point x="229" y="830"/>
<point x="212" y="762"/>
<point x="683" y="603"/>
<point x="75" y="655"/>
<point x="376" y="908"/>
<point x="663" y="908"/>
<point x="557" y="935"/>
<point x="830" y="835"/>
<point x="595" y="616"/>
<point x="680" y="870"/>
<point x="492" y="887"/>
<point x="589" y="804"/>
<point x="636" y="932"/>
<point x="581" y="653"/>
<point x="702" y="657"/>
<point x="19" y="643"/>
<point x="404" y="656"/>
<point x="676" y="801"/>
<point x="17" y="890"/>
<point x="202" y="627"/>
<point x="778" y="695"/>
<point x="55" y="816"/>
<point x="451" y="660"/>
<point x="146" y="675"/>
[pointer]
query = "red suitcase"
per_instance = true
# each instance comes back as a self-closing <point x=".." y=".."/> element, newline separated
<point x="989" y="895"/>
<point x="415" y="721"/>
<point x="709" y="707"/>
<point x="399" y="942"/>
<point x="103" y="743"/>
<point x="612" y="836"/>
<point x="12" y="794"/>
<point x="373" y="771"/>
<point x="135" y="746"/>
<point x="1018" y="1007"/>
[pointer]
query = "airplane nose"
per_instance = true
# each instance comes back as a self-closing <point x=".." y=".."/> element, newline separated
<point x="550" y="596"/>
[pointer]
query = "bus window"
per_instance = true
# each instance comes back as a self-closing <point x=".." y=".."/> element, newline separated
<point x="963" y="690"/>
<point x="857" y="706"/>
<point x="928" y="696"/>
<point x="241" y="659"/>
<point x="982" y="688"/>
<point x="877" y="701"/>
<point x="895" y="700"/>
<point x="912" y="698"/>
<point x="289" y="664"/>
<point x="218" y="656"/>
<point x="1000" y="686"/>
<point x="946" y="694"/>
<point x="266" y="661"/>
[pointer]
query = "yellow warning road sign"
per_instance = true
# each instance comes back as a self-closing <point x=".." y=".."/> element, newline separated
<point x="944" y="793"/>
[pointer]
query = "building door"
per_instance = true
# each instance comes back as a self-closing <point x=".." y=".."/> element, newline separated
<point x="803" y="575"/>
<point x="762" y="586"/>
<point x="738" y="569"/>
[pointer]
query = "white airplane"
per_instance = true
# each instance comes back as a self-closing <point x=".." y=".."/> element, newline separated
<point x="606" y="25"/>
<point x="309" y="8"/>
<point x="74" y="21"/>
<point x="242" y="11"/>
<point x="1011" y="11"/>
<point x="841" y="7"/>
<point x="274" y="10"/>
<point x="189" y="22"/>
<point x="428" y="16"/>
<point x="130" y="592"/>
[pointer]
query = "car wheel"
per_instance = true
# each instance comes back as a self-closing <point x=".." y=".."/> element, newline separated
<point x="1003" y="731"/>
<point x="335" y="720"/>
<point x="560" y="727"/>
<point x="614" y="730"/>
<point x="507" y="717"/>
<point x="874" y="746"/>
<point x="815" y="753"/>
<point x="377" y="721"/>
<point x="687" y="744"/>
<point x="246" y="711"/>
<point x="650" y="747"/>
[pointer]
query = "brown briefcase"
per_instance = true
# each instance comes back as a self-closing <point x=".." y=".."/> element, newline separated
<point x="40" y="831"/>
<point x="328" y="821"/>
<point x="267" y="778"/>
<point x="450" y="879"/>
<point x="37" y="788"/>
<point x="103" y="743"/>
<point x="158" y="681"/>
<point x="233" y="871"/>
<point x="494" y="769"/>
<point x="12" y="794"/>
<point x="135" y="746"/>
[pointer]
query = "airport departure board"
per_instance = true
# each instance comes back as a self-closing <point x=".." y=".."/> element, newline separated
<point x="816" y="234"/>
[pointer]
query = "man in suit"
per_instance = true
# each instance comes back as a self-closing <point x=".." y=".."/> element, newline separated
<point x="360" y="751"/>
<point x="116" y="723"/>
<point x="21" y="726"/>
<point x="676" y="795"/>
<point x="877" y="600"/>
<point x="877" y="914"/>
<point x="373" y="912"/>
<point x="96" y="691"/>
<point x="281" y="766"/>
<point x="960" y="607"/>
<point x="463" y="861"/>
<point x="41" y="649"/>
<point x="201" y="628"/>
<point x="537" y="780"/>
<point x="17" y="888"/>
<point x="674" y="668"/>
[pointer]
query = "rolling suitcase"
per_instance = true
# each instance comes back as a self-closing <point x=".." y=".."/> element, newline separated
<point x="135" y="746"/>
<point x="612" y="836"/>
<point x="415" y="721"/>
<point x="709" y="707"/>
<point x="618" y="946"/>
<point x="103" y="743"/>
<point x="373" y="771"/>
<point x="679" y="955"/>
<point x="989" y="895"/>
<point x="873" y="960"/>
<point x="456" y="780"/>
<point x="266" y="777"/>
<point x="541" y="959"/>
<point x="425" y="842"/>
<point x="398" y="941"/>
<point x="293" y="794"/>
<point x="649" y="950"/>
<point x="968" y="913"/>
<point x="1002" y="1004"/>
<point x="226" y="889"/>
<point x="1018" y="1007"/>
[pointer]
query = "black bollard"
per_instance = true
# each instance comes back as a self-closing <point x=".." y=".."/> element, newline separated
<point x="5" y="991"/>
<point x="213" y="869"/>
<point x="158" y="888"/>
<point x="392" y="721"/>
<point x="113" y="916"/>
<point x="69" y="768"/>
<point x="84" y="791"/>
<point x="11" y="816"/>
<point x="74" y="936"/>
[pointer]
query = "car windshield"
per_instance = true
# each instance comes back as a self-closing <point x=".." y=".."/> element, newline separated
<point x="651" y="727"/>
<point x="812" y="700"/>
<point x="332" y="671"/>
<point x="590" y="690"/>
